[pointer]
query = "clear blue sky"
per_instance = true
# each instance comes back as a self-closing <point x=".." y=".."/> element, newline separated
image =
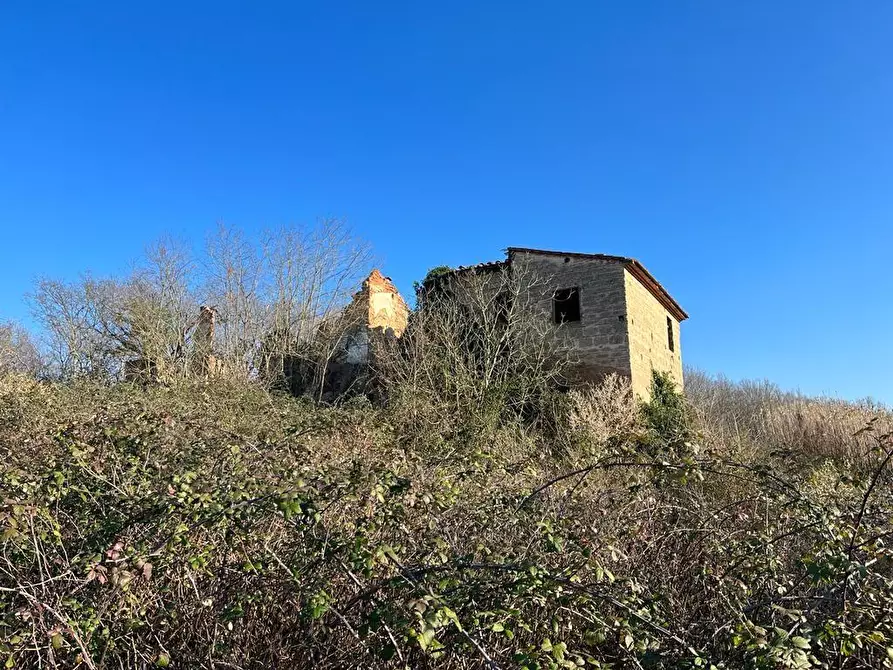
<point x="742" y="150"/>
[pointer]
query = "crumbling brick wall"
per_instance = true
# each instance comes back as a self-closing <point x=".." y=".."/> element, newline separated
<point x="386" y="307"/>
<point x="377" y="311"/>
<point x="203" y="361"/>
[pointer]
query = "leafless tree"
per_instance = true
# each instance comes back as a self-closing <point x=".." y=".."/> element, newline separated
<point x="71" y="314"/>
<point x="313" y="273"/>
<point x="276" y="306"/>
<point x="106" y="327"/>
<point x="478" y="344"/>
<point x="233" y="285"/>
<point x="281" y="303"/>
<point x="155" y="313"/>
<point x="18" y="352"/>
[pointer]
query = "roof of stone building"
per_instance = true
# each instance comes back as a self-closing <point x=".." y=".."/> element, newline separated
<point x="488" y="265"/>
<point x="636" y="269"/>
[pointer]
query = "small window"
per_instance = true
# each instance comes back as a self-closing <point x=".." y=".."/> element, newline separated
<point x="566" y="305"/>
<point x="670" y="342"/>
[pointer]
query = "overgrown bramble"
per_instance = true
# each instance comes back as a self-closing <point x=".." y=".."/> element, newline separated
<point x="197" y="526"/>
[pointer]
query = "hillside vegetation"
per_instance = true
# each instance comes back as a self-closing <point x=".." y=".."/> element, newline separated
<point x="209" y="524"/>
<point x="165" y="503"/>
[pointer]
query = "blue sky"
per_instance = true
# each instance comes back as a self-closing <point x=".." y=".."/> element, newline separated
<point x="743" y="151"/>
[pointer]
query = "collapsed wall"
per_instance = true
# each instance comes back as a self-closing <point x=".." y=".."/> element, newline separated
<point x="376" y="311"/>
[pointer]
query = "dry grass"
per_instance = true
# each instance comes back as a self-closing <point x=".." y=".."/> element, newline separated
<point x="757" y="417"/>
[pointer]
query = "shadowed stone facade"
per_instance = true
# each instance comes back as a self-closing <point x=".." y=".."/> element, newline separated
<point x="611" y="314"/>
<point x="627" y="323"/>
<point x="598" y="343"/>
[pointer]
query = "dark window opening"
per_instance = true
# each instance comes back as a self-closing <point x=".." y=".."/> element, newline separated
<point x="566" y="305"/>
<point x="670" y="342"/>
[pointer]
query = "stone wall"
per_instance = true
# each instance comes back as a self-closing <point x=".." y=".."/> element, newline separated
<point x="377" y="305"/>
<point x="203" y="361"/>
<point x="387" y="309"/>
<point x="649" y="346"/>
<point x="598" y="344"/>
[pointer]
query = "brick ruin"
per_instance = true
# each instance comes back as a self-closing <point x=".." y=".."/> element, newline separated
<point x="203" y="360"/>
<point x="613" y="315"/>
<point x="385" y="307"/>
<point x="376" y="311"/>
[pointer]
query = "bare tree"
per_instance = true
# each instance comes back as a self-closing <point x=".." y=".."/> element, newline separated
<point x="313" y="273"/>
<point x="478" y="345"/>
<point x="272" y="309"/>
<point x="157" y="310"/>
<point x="75" y="325"/>
<point x="107" y="327"/>
<point x="233" y="285"/>
<point x="18" y="352"/>
<point x="281" y="303"/>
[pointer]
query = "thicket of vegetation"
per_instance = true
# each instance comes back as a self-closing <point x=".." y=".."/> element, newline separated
<point x="472" y="516"/>
<point x="278" y="300"/>
<point x="209" y="525"/>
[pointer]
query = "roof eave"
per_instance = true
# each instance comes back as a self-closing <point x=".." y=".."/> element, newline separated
<point x="637" y="270"/>
<point x="572" y="254"/>
<point x="635" y="267"/>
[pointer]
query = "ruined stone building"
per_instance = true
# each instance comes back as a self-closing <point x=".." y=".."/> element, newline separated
<point x="377" y="308"/>
<point x="376" y="311"/>
<point x="203" y="360"/>
<point x="612" y="314"/>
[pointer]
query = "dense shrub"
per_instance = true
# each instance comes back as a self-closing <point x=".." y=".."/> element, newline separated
<point x="600" y="418"/>
<point x="219" y="526"/>
<point x="476" y="359"/>
<point x="666" y="414"/>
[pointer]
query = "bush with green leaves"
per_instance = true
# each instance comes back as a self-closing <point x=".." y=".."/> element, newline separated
<point x="666" y="414"/>
<point x="219" y="526"/>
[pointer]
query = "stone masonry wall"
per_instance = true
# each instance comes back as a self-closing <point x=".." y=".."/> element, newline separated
<point x="649" y="347"/>
<point x="387" y="309"/>
<point x="376" y="306"/>
<point x="598" y="343"/>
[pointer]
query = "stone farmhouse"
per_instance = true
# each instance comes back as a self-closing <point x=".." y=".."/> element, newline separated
<point x="613" y="314"/>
